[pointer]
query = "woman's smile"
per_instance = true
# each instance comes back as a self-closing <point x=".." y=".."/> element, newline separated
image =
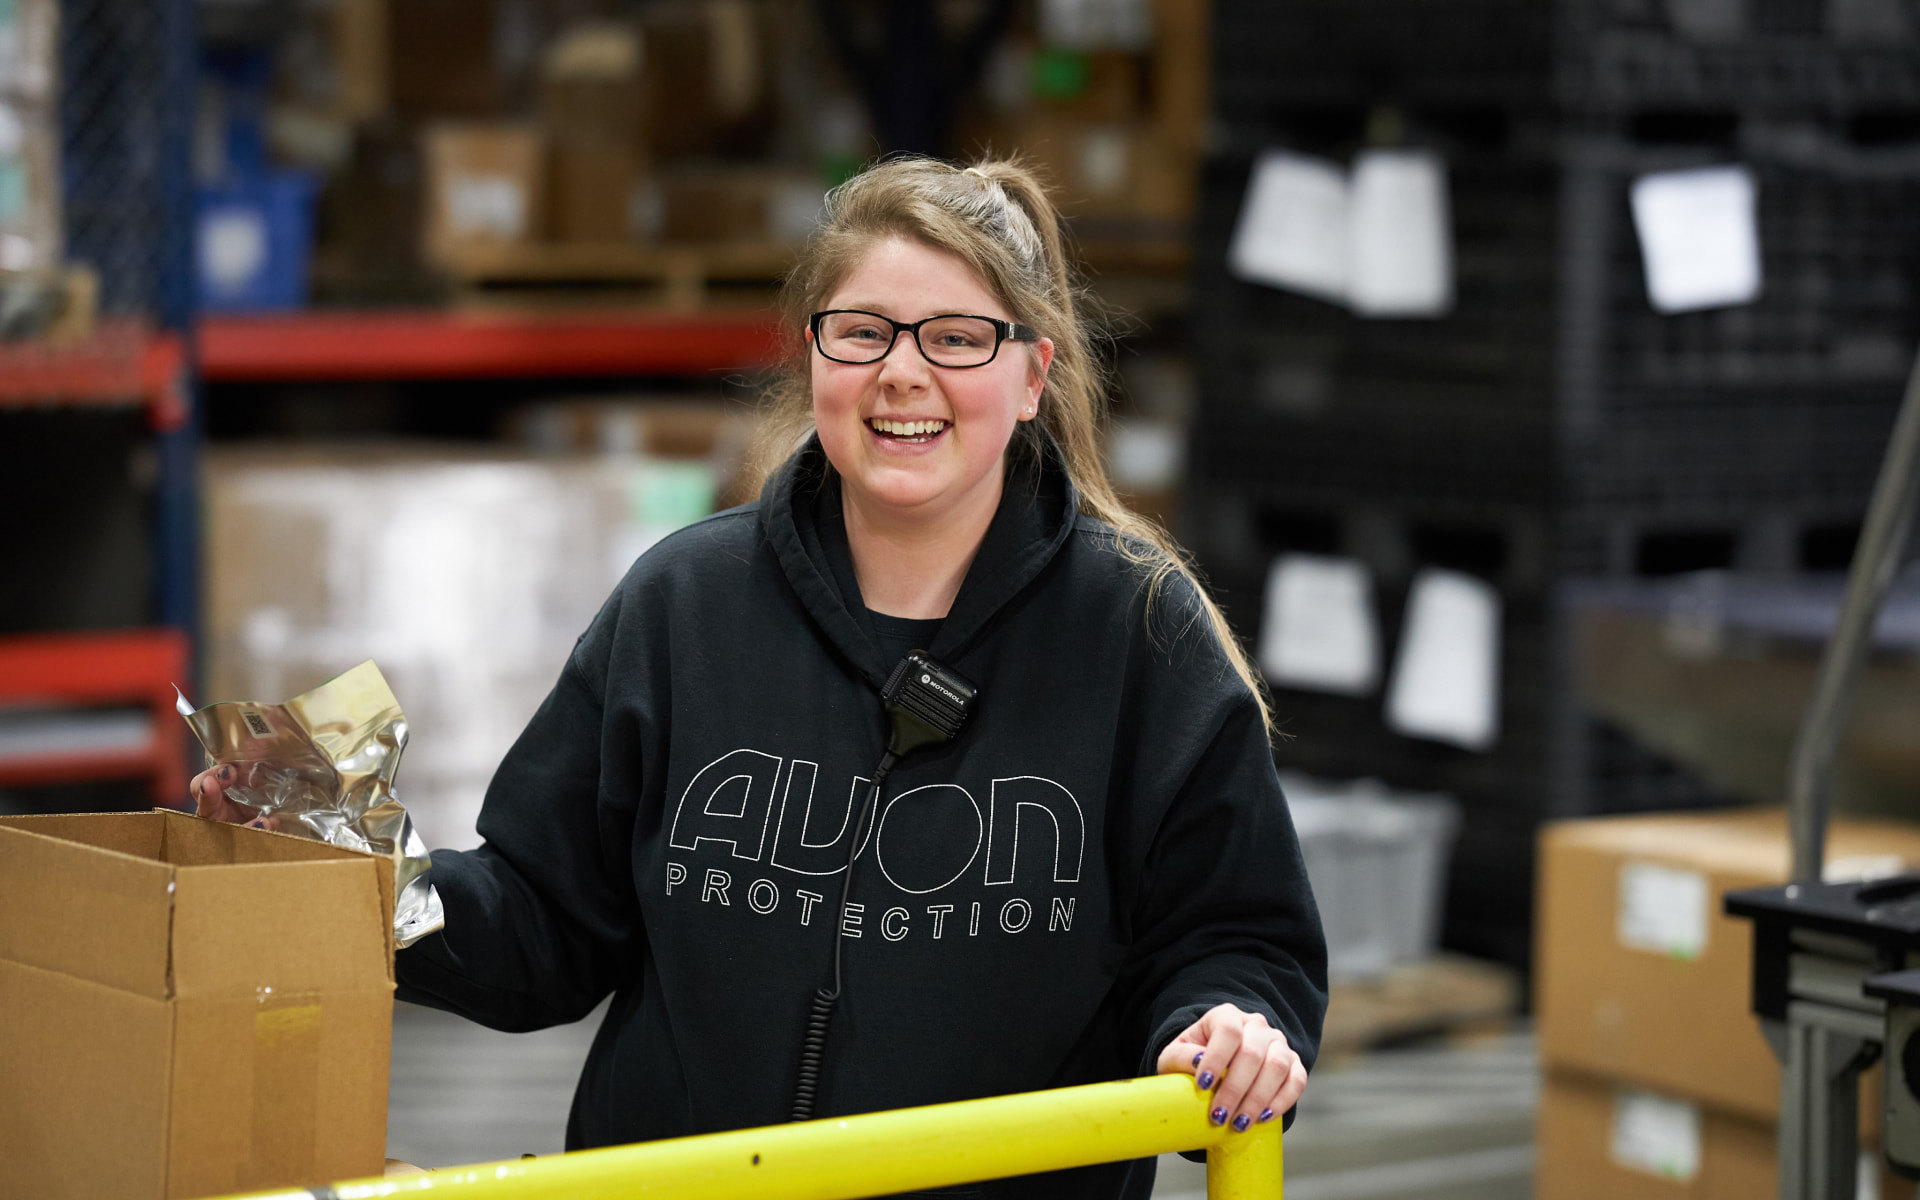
<point x="900" y="434"/>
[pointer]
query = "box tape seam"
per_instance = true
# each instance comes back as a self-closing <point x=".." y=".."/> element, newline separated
<point x="286" y="1079"/>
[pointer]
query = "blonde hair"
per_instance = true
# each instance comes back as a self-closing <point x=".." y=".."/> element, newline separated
<point x="995" y="217"/>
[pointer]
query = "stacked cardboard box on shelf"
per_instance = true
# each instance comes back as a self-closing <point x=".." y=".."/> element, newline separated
<point x="593" y="112"/>
<point x="629" y="118"/>
<point x="1659" y="1083"/>
<point x="467" y="576"/>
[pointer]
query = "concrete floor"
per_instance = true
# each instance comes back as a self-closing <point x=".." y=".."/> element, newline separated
<point x="1440" y="1123"/>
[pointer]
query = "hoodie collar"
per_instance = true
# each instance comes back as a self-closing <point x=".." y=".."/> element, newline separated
<point x="801" y="516"/>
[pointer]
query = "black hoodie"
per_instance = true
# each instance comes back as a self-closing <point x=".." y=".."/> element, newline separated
<point x="1101" y="856"/>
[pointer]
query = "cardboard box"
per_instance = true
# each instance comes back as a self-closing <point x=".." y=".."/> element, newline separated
<point x="485" y="184"/>
<point x="590" y="87"/>
<point x="1639" y="976"/>
<point x="1599" y="1140"/>
<point x="731" y="204"/>
<point x="191" y="1008"/>
<point x="592" y="112"/>
<point x="1109" y="171"/>
<point x="594" y="193"/>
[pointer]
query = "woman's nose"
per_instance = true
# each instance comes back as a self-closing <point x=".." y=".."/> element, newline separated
<point x="904" y="363"/>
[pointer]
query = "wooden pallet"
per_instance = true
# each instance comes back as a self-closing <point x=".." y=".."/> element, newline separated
<point x="680" y="276"/>
<point x="1446" y="994"/>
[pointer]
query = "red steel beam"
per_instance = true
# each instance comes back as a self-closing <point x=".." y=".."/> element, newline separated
<point x="438" y="345"/>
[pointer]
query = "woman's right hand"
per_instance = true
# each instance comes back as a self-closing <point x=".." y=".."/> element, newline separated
<point x="209" y="791"/>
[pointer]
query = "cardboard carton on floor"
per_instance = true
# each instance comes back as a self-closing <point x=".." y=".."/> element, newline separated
<point x="190" y="1008"/>
<point x="1638" y="974"/>
<point x="1601" y="1140"/>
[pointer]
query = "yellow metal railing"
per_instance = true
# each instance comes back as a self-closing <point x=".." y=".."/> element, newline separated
<point x="880" y="1153"/>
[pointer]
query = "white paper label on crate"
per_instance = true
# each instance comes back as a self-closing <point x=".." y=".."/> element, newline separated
<point x="1656" y="1135"/>
<point x="1401" y="235"/>
<point x="1318" y="630"/>
<point x="1293" y="226"/>
<point x="1446" y="677"/>
<point x="1145" y="455"/>
<point x="486" y="206"/>
<point x="1662" y="910"/>
<point x="233" y="246"/>
<point x="1699" y="237"/>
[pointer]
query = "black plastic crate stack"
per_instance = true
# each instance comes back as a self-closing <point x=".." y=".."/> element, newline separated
<point x="1749" y="436"/>
<point x="1553" y="425"/>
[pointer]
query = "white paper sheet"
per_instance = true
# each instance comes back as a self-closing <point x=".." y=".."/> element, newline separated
<point x="1699" y="237"/>
<point x="1446" y="678"/>
<point x="1319" y="630"/>
<point x="1656" y="1135"/>
<point x="1293" y="226"/>
<point x="1401" y="235"/>
<point x="1662" y="910"/>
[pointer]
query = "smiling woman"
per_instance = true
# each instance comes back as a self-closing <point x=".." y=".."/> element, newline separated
<point x="1073" y="861"/>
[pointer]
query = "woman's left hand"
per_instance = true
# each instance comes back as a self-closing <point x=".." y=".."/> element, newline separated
<point x="1253" y="1074"/>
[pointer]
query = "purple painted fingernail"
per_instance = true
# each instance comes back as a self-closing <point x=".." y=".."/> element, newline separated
<point x="1198" y="1057"/>
<point x="1205" y="1081"/>
<point x="1266" y="1114"/>
<point x="226" y="773"/>
<point x="1219" y="1116"/>
<point x="1241" y="1122"/>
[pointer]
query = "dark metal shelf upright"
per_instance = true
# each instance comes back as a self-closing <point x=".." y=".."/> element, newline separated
<point x="129" y="70"/>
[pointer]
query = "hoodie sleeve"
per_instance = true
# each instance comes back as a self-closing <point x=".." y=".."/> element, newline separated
<point x="542" y="917"/>
<point x="1225" y="914"/>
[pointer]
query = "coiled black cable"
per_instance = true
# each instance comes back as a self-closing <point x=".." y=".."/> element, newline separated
<point x="820" y="1015"/>
<point x="813" y="1048"/>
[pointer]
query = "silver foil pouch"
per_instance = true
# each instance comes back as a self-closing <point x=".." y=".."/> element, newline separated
<point x="321" y="766"/>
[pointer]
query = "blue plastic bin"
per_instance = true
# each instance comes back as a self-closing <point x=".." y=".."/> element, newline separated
<point x="252" y="241"/>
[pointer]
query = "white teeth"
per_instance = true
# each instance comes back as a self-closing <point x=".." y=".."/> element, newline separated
<point x="907" y="428"/>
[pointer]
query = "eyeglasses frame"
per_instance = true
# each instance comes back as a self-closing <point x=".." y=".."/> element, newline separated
<point x="1004" y="331"/>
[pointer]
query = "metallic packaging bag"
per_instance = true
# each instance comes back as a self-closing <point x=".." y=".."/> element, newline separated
<point x="321" y="766"/>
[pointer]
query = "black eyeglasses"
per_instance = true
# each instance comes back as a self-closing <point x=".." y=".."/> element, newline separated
<point x="848" y="335"/>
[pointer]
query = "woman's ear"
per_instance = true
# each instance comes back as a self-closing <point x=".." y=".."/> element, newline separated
<point x="1041" y="361"/>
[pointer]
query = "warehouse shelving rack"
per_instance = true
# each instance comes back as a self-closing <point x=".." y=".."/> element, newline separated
<point x="127" y="82"/>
